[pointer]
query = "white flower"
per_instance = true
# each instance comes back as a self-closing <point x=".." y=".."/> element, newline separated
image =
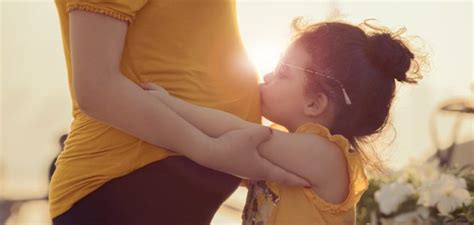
<point x="389" y="196"/>
<point x="446" y="193"/>
<point x="426" y="194"/>
<point x="417" y="172"/>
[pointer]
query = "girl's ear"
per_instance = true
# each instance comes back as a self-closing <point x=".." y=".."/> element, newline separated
<point x="316" y="105"/>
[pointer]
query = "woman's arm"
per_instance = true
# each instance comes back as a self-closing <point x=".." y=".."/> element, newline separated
<point x="102" y="92"/>
<point x="308" y="156"/>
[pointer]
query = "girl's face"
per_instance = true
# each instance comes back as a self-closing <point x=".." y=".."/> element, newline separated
<point x="282" y="93"/>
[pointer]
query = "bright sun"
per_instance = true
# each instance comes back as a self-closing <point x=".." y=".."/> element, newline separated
<point x="264" y="55"/>
<point x="264" y="41"/>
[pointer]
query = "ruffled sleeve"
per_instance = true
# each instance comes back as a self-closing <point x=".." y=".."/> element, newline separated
<point x="358" y="179"/>
<point x="125" y="10"/>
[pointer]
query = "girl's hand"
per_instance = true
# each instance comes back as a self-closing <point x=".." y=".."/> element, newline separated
<point x="154" y="89"/>
<point x="237" y="153"/>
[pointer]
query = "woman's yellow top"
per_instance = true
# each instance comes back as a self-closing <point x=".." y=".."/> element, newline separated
<point x="191" y="48"/>
<point x="269" y="203"/>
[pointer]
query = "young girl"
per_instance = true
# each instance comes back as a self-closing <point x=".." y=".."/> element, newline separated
<point x="333" y="87"/>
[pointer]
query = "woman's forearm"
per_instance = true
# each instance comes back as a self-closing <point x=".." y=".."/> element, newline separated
<point x="124" y="105"/>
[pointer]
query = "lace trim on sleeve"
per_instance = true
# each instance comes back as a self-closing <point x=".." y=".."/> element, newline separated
<point x="102" y="10"/>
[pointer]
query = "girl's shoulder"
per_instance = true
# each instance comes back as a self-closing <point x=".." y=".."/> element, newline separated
<point x="358" y="181"/>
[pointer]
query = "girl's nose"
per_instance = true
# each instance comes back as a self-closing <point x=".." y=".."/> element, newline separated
<point x="268" y="78"/>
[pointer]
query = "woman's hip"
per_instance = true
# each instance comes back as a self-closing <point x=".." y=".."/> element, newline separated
<point x="174" y="190"/>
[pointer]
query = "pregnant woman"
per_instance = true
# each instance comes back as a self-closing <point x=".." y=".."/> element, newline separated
<point x="112" y="170"/>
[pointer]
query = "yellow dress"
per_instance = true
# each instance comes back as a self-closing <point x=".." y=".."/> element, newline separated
<point x="269" y="203"/>
<point x="191" y="48"/>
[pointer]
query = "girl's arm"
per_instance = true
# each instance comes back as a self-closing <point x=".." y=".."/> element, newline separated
<point x="105" y="94"/>
<point x="309" y="156"/>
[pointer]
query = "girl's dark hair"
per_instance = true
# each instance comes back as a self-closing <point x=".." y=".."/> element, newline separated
<point x="367" y="60"/>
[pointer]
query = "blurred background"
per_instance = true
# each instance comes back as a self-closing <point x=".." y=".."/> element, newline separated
<point x="431" y="118"/>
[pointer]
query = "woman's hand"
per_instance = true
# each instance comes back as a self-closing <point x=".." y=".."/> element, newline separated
<point x="236" y="152"/>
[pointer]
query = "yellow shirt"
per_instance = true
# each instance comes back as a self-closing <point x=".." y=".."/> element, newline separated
<point x="191" y="48"/>
<point x="269" y="203"/>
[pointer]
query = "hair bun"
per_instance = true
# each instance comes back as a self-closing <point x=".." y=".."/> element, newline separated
<point x="390" y="55"/>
